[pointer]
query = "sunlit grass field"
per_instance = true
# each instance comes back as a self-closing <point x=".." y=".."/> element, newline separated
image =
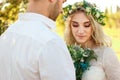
<point x="112" y="32"/>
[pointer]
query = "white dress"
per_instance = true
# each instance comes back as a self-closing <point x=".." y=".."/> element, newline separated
<point x="107" y="66"/>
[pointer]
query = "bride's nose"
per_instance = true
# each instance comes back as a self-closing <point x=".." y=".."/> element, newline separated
<point x="81" y="30"/>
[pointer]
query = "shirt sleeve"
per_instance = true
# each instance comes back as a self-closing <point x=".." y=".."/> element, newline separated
<point x="111" y="64"/>
<point x="55" y="62"/>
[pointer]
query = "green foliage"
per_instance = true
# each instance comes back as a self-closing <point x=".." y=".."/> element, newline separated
<point x="81" y="58"/>
<point x="9" y="10"/>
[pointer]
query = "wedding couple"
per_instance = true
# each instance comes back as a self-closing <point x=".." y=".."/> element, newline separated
<point x="29" y="50"/>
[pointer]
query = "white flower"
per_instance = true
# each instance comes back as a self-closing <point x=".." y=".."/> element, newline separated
<point x="73" y="7"/>
<point x="88" y="9"/>
<point x="70" y="11"/>
<point x="82" y="50"/>
<point x="97" y="15"/>
<point x="81" y="3"/>
<point x="78" y="4"/>
<point x="88" y="48"/>
<point x="82" y="60"/>
<point x="85" y="55"/>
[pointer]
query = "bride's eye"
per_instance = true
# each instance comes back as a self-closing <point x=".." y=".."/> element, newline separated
<point x="75" y="24"/>
<point x="87" y="24"/>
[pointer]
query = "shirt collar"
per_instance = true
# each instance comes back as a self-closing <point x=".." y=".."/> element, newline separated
<point x="38" y="17"/>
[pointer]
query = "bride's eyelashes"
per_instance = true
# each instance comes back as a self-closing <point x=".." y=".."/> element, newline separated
<point x="86" y="24"/>
<point x="75" y="24"/>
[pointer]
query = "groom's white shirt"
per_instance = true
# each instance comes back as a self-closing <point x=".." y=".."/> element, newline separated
<point x="29" y="50"/>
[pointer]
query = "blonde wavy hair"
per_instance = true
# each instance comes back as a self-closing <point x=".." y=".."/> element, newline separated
<point x="98" y="36"/>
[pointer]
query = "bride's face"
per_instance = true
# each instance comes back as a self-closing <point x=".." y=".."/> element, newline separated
<point x="81" y="28"/>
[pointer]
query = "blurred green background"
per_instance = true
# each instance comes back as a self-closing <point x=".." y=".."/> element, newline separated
<point x="9" y="10"/>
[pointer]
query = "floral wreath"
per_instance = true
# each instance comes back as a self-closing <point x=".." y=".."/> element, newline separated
<point x="90" y="9"/>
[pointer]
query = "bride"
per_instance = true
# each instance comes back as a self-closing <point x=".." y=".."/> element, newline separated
<point x="84" y="27"/>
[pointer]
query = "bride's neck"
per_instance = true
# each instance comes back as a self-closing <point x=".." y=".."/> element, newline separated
<point x="89" y="44"/>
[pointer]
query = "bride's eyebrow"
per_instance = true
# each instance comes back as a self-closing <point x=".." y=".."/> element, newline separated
<point x="74" y="22"/>
<point x="78" y="21"/>
<point x="87" y="22"/>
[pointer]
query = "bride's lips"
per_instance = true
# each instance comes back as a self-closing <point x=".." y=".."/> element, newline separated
<point x="80" y="36"/>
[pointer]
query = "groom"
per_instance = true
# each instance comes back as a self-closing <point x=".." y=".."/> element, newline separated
<point x="29" y="50"/>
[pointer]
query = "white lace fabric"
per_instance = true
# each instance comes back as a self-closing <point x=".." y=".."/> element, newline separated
<point x="107" y="66"/>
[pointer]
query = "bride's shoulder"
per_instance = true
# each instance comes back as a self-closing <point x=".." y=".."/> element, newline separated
<point x="103" y="49"/>
<point x="108" y="53"/>
<point x="108" y="50"/>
